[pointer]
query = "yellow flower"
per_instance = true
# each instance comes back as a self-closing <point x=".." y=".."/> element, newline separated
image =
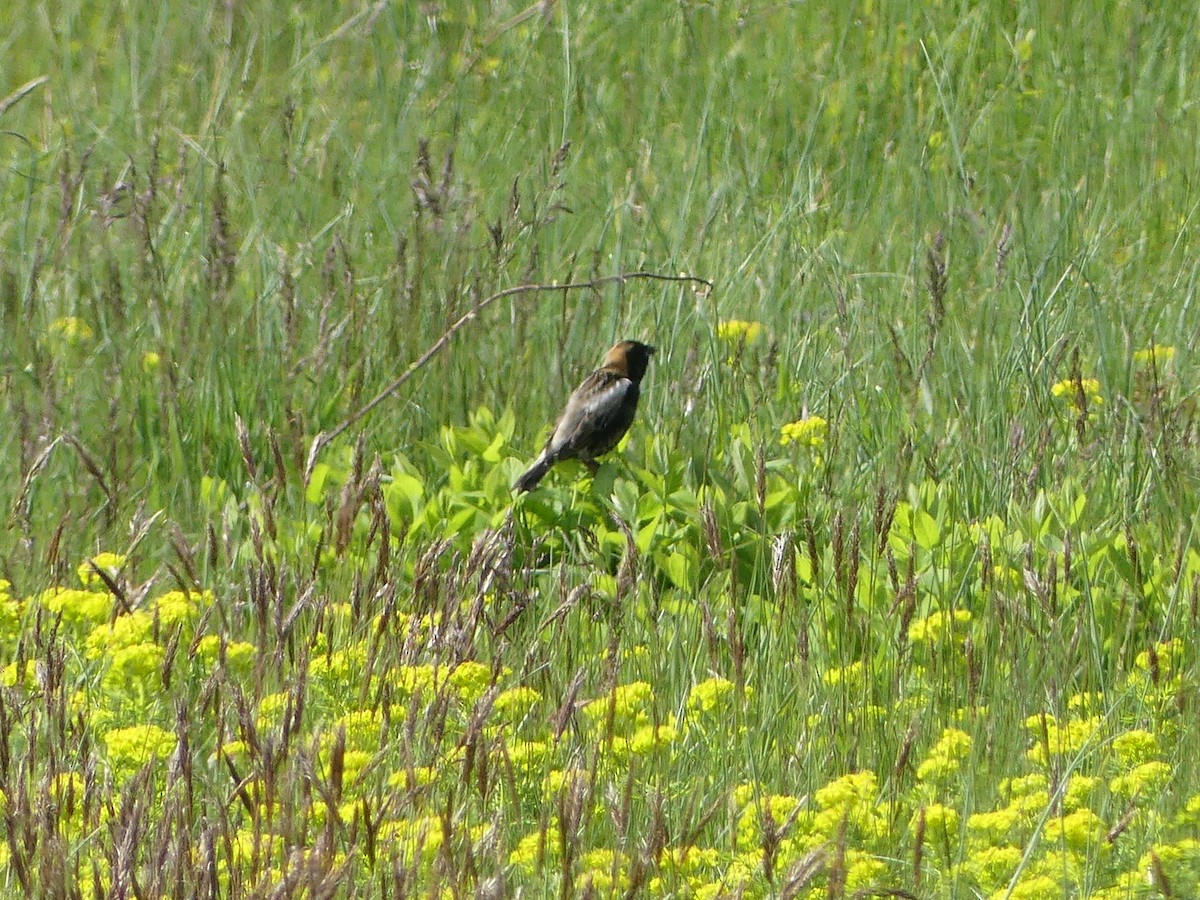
<point x="363" y="729"/>
<point x="69" y="331"/>
<point x="649" y="738"/>
<point x="849" y="675"/>
<point x="531" y="848"/>
<point x="1070" y="390"/>
<point x="1155" y="355"/>
<point x="150" y="361"/>
<point x="131" y="748"/>
<point x="687" y="860"/>
<point x="1035" y="785"/>
<point x="409" y="681"/>
<point x="471" y="680"/>
<point x="558" y="780"/>
<point x="67" y="790"/>
<point x="992" y="866"/>
<point x="271" y="710"/>
<point x="176" y="607"/>
<point x="1179" y="862"/>
<point x="597" y="866"/>
<point x="125" y="631"/>
<point x="809" y="431"/>
<point x="940" y="820"/>
<point x="1079" y="791"/>
<point x="109" y="563"/>
<point x="516" y="703"/>
<point x="863" y="871"/>
<point x="1147" y="778"/>
<point x="1059" y="739"/>
<point x="709" y="695"/>
<point x="744" y="793"/>
<point x="135" y="669"/>
<point x="1086" y="702"/>
<point x="936" y="627"/>
<point x="777" y="808"/>
<point x="354" y="762"/>
<point x="848" y="791"/>
<point x="78" y="606"/>
<point x="1190" y="817"/>
<point x="25" y="675"/>
<point x="1036" y="887"/>
<point x="989" y="828"/>
<point x="1078" y="830"/>
<point x="1063" y="864"/>
<point x="1135" y="747"/>
<point x="737" y="331"/>
<point x="423" y="835"/>
<point x="1166" y="658"/>
<point x="239" y="655"/>
<point x="945" y="759"/>
<point x="527" y="756"/>
<point x="631" y="707"/>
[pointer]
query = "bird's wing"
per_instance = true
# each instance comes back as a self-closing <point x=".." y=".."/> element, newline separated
<point x="595" y="405"/>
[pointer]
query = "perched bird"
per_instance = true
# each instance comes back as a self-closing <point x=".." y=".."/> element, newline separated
<point x="597" y="414"/>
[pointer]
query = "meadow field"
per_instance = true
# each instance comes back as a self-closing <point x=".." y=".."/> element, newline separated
<point x="893" y="589"/>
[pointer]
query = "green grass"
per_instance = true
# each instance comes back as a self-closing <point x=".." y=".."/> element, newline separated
<point x="961" y="227"/>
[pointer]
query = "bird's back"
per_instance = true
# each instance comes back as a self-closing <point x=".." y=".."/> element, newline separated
<point x="597" y="416"/>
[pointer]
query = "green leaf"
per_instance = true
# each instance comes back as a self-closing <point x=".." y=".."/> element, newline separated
<point x="647" y="533"/>
<point x="925" y="530"/>
<point x="680" y="570"/>
<point x="316" y="484"/>
<point x="406" y="488"/>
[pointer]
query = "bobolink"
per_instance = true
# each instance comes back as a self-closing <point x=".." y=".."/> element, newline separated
<point x="597" y="414"/>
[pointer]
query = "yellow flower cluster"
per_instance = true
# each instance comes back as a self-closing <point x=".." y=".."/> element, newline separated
<point x="176" y="608"/>
<point x="1155" y="355"/>
<point x="1080" y="830"/>
<point x="710" y="696"/>
<point x="131" y="748"/>
<point x="1135" y="747"/>
<point x="69" y="331"/>
<point x="536" y="846"/>
<point x="109" y="563"/>
<point x="516" y="703"/>
<point x="945" y="759"/>
<point x="630" y="704"/>
<point x="11" y="610"/>
<point x="239" y="655"/>
<point x="470" y="680"/>
<point x="936" y="627"/>
<point x="1071" y="390"/>
<point x="1052" y="738"/>
<point x="755" y="814"/>
<point x="851" y="675"/>
<point x="1148" y="778"/>
<point x="1176" y="864"/>
<point x="940" y="821"/>
<point x="809" y="431"/>
<point x="78" y="607"/>
<point x="738" y="331"/>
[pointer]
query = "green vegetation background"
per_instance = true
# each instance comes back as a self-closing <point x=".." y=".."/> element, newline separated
<point x="937" y="212"/>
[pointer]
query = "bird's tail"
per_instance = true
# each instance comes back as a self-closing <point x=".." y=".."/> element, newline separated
<point x="534" y="474"/>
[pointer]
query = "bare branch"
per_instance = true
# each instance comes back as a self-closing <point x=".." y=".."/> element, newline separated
<point x="321" y="441"/>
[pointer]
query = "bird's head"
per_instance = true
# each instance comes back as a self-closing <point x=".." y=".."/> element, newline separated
<point x="630" y="358"/>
